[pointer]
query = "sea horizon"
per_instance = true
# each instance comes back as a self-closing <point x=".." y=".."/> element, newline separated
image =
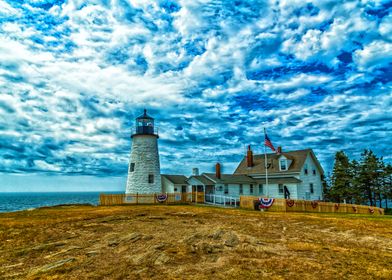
<point x="20" y="201"/>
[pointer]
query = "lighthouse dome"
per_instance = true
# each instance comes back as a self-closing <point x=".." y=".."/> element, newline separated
<point x="144" y="124"/>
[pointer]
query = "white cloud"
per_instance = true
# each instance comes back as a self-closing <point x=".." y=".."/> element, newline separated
<point x="375" y="55"/>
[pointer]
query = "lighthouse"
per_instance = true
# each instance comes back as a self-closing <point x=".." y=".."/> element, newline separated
<point x="144" y="169"/>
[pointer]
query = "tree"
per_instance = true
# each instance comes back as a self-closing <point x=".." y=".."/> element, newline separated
<point x="354" y="171"/>
<point x="369" y="176"/>
<point x="340" y="179"/>
<point x="387" y="184"/>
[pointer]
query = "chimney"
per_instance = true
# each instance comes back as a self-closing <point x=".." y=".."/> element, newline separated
<point x="195" y="171"/>
<point x="249" y="157"/>
<point x="218" y="170"/>
<point x="279" y="150"/>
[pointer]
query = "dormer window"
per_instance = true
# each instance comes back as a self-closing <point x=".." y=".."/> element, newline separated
<point x="283" y="164"/>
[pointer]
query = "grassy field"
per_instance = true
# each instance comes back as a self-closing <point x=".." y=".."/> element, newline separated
<point x="189" y="242"/>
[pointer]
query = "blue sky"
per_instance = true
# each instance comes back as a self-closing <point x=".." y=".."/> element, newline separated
<point x="75" y="74"/>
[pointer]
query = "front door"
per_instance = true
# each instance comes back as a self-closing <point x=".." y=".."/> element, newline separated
<point x="209" y="193"/>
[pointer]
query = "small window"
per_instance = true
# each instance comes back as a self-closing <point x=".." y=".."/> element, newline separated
<point x="226" y="188"/>
<point x="306" y="169"/>
<point x="281" y="189"/>
<point x="283" y="164"/>
<point x="314" y="171"/>
<point x="175" y="189"/>
<point x="241" y="189"/>
<point x="311" y="188"/>
<point x="132" y="167"/>
<point x="220" y="188"/>
<point x="261" y="191"/>
<point x="251" y="188"/>
<point x="151" y="178"/>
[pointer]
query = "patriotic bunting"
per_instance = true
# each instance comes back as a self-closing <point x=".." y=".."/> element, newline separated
<point x="266" y="202"/>
<point x="161" y="197"/>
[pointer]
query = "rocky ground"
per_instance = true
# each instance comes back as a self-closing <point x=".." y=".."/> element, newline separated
<point x="191" y="242"/>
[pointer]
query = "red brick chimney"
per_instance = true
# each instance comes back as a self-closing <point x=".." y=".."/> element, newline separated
<point x="249" y="157"/>
<point x="279" y="150"/>
<point x="218" y="170"/>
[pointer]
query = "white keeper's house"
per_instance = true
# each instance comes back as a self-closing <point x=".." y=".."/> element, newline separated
<point x="297" y="174"/>
<point x="292" y="174"/>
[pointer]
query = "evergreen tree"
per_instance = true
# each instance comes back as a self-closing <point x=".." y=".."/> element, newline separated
<point x="387" y="184"/>
<point x="369" y="175"/>
<point x="356" y="194"/>
<point x="340" y="179"/>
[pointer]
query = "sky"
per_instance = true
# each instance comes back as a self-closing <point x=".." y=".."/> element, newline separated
<point x="75" y="74"/>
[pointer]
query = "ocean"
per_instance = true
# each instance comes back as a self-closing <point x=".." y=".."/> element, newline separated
<point x="10" y="202"/>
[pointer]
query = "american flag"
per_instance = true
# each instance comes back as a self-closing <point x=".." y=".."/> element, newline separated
<point x="267" y="142"/>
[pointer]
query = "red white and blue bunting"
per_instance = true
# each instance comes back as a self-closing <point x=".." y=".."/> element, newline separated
<point x="161" y="197"/>
<point x="290" y="202"/>
<point x="266" y="202"/>
<point x="371" y="210"/>
<point x="314" y="204"/>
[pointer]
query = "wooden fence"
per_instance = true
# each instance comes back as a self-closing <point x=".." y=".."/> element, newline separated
<point x="172" y="198"/>
<point x="287" y="205"/>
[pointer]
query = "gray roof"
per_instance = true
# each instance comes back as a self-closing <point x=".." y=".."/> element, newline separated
<point x="283" y="180"/>
<point x="298" y="158"/>
<point x="202" y="179"/>
<point x="176" y="179"/>
<point x="230" y="178"/>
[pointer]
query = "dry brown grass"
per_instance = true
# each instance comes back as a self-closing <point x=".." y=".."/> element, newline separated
<point x="188" y="242"/>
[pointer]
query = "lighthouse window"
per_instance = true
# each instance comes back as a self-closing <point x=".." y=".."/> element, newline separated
<point x="150" y="178"/>
<point x="132" y="167"/>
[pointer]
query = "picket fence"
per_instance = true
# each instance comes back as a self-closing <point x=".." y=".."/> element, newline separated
<point x="172" y="198"/>
<point x="247" y="202"/>
<point x="287" y="205"/>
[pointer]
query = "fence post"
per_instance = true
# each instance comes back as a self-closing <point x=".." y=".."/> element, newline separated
<point x="137" y="198"/>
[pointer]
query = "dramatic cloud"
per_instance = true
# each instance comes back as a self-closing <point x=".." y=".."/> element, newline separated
<point x="74" y="75"/>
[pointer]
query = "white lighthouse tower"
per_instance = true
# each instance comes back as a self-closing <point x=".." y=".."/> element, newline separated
<point x="144" y="174"/>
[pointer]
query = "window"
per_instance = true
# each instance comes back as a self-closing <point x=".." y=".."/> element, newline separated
<point x="175" y="189"/>
<point x="314" y="171"/>
<point x="150" y="178"/>
<point x="311" y="188"/>
<point x="219" y="188"/>
<point x="251" y="188"/>
<point x="306" y="169"/>
<point x="283" y="164"/>
<point x="261" y="189"/>
<point x="226" y="188"/>
<point x="241" y="189"/>
<point x="132" y="167"/>
<point x="281" y="188"/>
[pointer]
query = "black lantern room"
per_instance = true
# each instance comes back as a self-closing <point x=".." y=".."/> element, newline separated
<point x="144" y="125"/>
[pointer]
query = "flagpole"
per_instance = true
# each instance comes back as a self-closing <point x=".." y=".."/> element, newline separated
<point x="266" y="164"/>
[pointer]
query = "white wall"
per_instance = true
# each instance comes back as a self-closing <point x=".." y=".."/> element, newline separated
<point x="273" y="191"/>
<point x="234" y="190"/>
<point x="167" y="186"/>
<point x="310" y="178"/>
